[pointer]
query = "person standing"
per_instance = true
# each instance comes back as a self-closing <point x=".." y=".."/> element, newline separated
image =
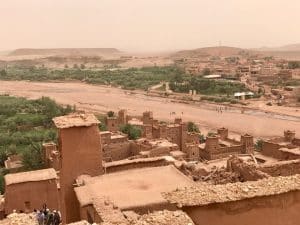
<point x="56" y="218"/>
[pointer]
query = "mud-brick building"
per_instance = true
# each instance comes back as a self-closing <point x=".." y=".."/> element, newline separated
<point x="283" y="148"/>
<point x="30" y="190"/>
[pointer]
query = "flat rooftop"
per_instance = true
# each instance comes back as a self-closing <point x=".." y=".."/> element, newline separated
<point x="205" y="194"/>
<point x="31" y="176"/>
<point x="133" y="188"/>
<point x="295" y="151"/>
<point x="75" y="120"/>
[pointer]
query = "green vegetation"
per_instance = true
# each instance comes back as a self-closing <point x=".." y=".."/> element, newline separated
<point x="294" y="64"/>
<point x="192" y="127"/>
<point x="110" y="113"/>
<point x="258" y="145"/>
<point x="208" y="87"/>
<point x="133" y="78"/>
<point x="133" y="132"/>
<point x="24" y="125"/>
<point x="102" y="125"/>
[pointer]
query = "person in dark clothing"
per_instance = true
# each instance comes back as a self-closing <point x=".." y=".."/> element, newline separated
<point x="50" y="219"/>
<point x="56" y="218"/>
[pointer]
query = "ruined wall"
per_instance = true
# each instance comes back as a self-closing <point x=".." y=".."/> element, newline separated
<point x="296" y="141"/>
<point x="35" y="193"/>
<point x="283" y="168"/>
<point x="272" y="150"/>
<point x="248" y="172"/>
<point x="280" y="209"/>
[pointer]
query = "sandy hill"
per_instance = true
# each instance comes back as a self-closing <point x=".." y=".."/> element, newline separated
<point x="223" y="51"/>
<point x="64" y="51"/>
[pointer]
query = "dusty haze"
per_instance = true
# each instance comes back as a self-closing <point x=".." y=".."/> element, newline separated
<point x="148" y="25"/>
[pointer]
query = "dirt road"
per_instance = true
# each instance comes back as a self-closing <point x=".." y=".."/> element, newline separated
<point x="102" y="99"/>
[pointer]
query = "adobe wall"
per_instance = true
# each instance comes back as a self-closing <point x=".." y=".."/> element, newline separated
<point x="112" y="124"/>
<point x="272" y="150"/>
<point x="192" y="151"/>
<point x="220" y="152"/>
<point x="147" y="131"/>
<point x="296" y="141"/>
<point x="161" y="151"/>
<point x="283" y="168"/>
<point x="105" y="138"/>
<point x="37" y="193"/>
<point x="280" y="209"/>
<point x="117" y="151"/>
<point x="192" y="138"/>
<point x="173" y="135"/>
<point x="89" y="214"/>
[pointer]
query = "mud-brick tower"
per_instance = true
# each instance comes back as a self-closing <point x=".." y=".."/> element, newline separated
<point x="79" y="146"/>
<point x="247" y="143"/>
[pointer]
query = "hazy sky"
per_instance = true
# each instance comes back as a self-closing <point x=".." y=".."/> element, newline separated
<point x="140" y="25"/>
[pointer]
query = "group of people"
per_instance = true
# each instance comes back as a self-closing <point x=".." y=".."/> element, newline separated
<point x="221" y="109"/>
<point x="48" y="217"/>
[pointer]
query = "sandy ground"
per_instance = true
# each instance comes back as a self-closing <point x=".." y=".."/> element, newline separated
<point x="102" y="99"/>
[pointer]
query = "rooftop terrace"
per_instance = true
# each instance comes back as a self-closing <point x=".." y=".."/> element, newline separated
<point x="31" y="176"/>
<point x="133" y="188"/>
<point x="75" y="120"/>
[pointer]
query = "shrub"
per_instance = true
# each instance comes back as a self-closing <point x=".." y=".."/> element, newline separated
<point x="110" y="113"/>
<point x="258" y="145"/>
<point x="133" y="132"/>
<point x="192" y="127"/>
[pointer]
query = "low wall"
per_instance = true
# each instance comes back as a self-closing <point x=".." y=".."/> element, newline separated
<point x="280" y="209"/>
<point x="283" y="168"/>
<point x="133" y="164"/>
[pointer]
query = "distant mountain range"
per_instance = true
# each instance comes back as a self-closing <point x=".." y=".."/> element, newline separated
<point x="222" y="51"/>
<point x="286" y="48"/>
<point x="64" y="51"/>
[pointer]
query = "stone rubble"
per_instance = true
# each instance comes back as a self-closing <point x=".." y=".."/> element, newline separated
<point x="19" y="219"/>
<point x="204" y="194"/>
